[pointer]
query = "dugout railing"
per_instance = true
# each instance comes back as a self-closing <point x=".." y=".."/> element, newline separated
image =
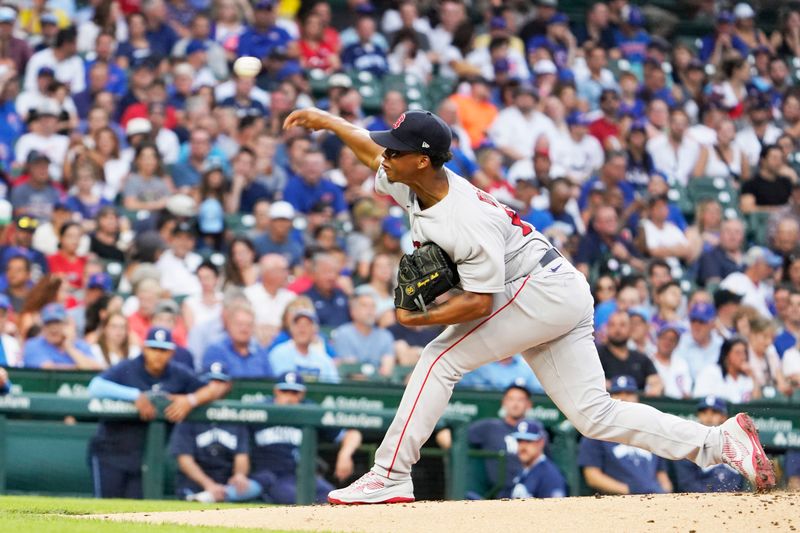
<point x="24" y="422"/>
<point x="778" y="420"/>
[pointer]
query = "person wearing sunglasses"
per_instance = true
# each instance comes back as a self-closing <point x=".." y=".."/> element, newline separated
<point x="518" y="294"/>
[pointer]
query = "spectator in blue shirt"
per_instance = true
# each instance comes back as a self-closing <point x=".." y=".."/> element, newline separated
<point x="711" y="411"/>
<point x="362" y="341"/>
<point x="304" y="353"/>
<point x="611" y="468"/>
<point x="498" y="375"/>
<point x="329" y="300"/>
<point x="611" y="176"/>
<point x="558" y="40"/>
<point x="199" y="158"/>
<point x="264" y="35"/>
<point x="791" y="468"/>
<point x="311" y="187"/>
<point x="365" y="55"/>
<point x="540" y="477"/>
<point x="787" y="338"/>
<point x="278" y="238"/>
<point x="631" y="38"/>
<point x="394" y="105"/>
<point x="715" y="47"/>
<point x="160" y="35"/>
<point x="237" y="354"/>
<point x="716" y="264"/>
<point x="56" y="347"/>
<point x="604" y="242"/>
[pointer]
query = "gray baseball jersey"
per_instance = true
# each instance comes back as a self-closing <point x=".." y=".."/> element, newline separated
<point x="544" y="313"/>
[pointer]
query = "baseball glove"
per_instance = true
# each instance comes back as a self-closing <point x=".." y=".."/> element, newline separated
<point x="424" y="275"/>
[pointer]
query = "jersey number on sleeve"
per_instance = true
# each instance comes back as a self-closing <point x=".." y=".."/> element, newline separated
<point x="516" y="221"/>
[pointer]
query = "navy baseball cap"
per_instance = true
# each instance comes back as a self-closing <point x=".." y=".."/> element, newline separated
<point x="291" y="381"/>
<point x="702" y="312"/>
<point x="623" y="384"/>
<point x="393" y="226"/>
<point x="725" y="17"/>
<point x="5" y="302"/>
<point x="54" y="312"/>
<point x="100" y="281"/>
<point x="532" y="430"/>
<point x="216" y="372"/>
<point x="635" y="17"/>
<point x="558" y="18"/>
<point x="196" y="45"/>
<point x="713" y="402"/>
<point x="160" y="338"/>
<point x="577" y="118"/>
<point x="416" y="131"/>
<point x="671" y="326"/>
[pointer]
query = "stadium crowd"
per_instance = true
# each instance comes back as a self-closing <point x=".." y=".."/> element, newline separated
<point x="146" y="187"/>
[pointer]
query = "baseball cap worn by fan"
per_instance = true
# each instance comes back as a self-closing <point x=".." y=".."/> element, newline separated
<point x="530" y="430"/>
<point x="291" y="381"/>
<point x="623" y="384"/>
<point x="416" y="131"/>
<point x="713" y="402"/>
<point x="159" y="338"/>
<point x="761" y="253"/>
<point x="394" y="227"/>
<point x="101" y="281"/>
<point x="54" y="312"/>
<point x="281" y="209"/>
<point x="702" y="312"/>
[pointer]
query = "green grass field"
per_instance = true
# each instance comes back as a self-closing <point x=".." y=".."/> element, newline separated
<point x="23" y="514"/>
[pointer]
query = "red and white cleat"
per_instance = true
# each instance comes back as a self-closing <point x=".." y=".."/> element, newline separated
<point x="373" y="488"/>
<point x="741" y="449"/>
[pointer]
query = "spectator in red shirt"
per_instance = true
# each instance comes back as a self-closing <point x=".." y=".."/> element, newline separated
<point x="315" y="51"/>
<point x="66" y="263"/>
<point x="606" y="128"/>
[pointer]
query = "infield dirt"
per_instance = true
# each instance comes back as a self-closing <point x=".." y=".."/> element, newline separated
<point x="779" y="511"/>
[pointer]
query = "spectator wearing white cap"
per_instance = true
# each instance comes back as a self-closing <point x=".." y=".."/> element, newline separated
<point x="745" y="27"/>
<point x="517" y="128"/>
<point x="278" y="237"/>
<point x="753" y="284"/>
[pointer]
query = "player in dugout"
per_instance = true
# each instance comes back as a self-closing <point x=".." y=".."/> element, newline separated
<point x="116" y="450"/>
<point x="518" y="294"/>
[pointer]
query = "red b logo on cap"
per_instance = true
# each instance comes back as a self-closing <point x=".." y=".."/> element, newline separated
<point x="399" y="121"/>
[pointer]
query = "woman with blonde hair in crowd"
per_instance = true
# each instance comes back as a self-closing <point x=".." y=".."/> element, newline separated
<point x="765" y="364"/>
<point x="113" y="344"/>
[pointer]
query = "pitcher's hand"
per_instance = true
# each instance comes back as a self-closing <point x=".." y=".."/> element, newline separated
<point x="311" y="118"/>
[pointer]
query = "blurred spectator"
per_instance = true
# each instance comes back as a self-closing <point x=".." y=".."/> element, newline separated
<point x="618" y="360"/>
<point x="769" y="188"/>
<point x="317" y="48"/>
<point x="14" y="48"/>
<point x="723" y="158"/>
<point x="199" y="308"/>
<point x="147" y="293"/>
<point x="502" y="373"/>
<point x="641" y="337"/>
<point x="716" y="264"/>
<point x="147" y="187"/>
<point x="62" y="58"/>
<point x="46" y="291"/>
<point x="757" y="138"/>
<point x="105" y="238"/>
<point x="579" y="153"/>
<point x="329" y="300"/>
<point x="611" y="468"/>
<point x="792" y="469"/>
<point x="517" y="129"/>
<point x="56" y="347"/>
<point x="675" y="153"/>
<point x="304" y="353"/>
<point x="270" y="297"/>
<point x="246" y="187"/>
<point x="178" y="264"/>
<point x="365" y="55"/>
<point x="275" y="449"/>
<point x="362" y="340"/>
<point x="789" y="334"/>
<point x="540" y="477"/>
<point x="626" y="298"/>
<point x="476" y="112"/>
<point x="599" y="89"/>
<point x="237" y="354"/>
<point x="189" y="170"/>
<point x="731" y="377"/>
<point x="37" y="196"/>
<point x="660" y="237"/>
<point x="47" y="237"/>
<point x="67" y="263"/>
<point x="699" y="347"/>
<point x="711" y="411"/>
<point x="727" y="305"/>
<point x="167" y="316"/>
<point x="754" y="283"/>
<point x="113" y="344"/>
<point x="86" y="199"/>
<point x="310" y="186"/>
<point x="278" y="237"/>
<point x="200" y="30"/>
<point x="673" y="370"/>
<point x="603" y="242"/>
<point x="667" y="300"/>
<point x="10" y="351"/>
<point x="764" y="361"/>
<point x="240" y="268"/>
<point x="18" y="280"/>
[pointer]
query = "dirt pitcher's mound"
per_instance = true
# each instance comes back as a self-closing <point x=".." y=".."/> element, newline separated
<point x="615" y="514"/>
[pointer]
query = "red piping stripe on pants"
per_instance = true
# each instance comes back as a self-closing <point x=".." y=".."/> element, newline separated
<point x="467" y="334"/>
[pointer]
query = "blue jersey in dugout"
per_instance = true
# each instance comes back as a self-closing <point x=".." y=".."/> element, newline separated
<point x="213" y="447"/>
<point x="124" y="440"/>
<point x="542" y="479"/>
<point x="633" y="466"/>
<point x="717" y="478"/>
